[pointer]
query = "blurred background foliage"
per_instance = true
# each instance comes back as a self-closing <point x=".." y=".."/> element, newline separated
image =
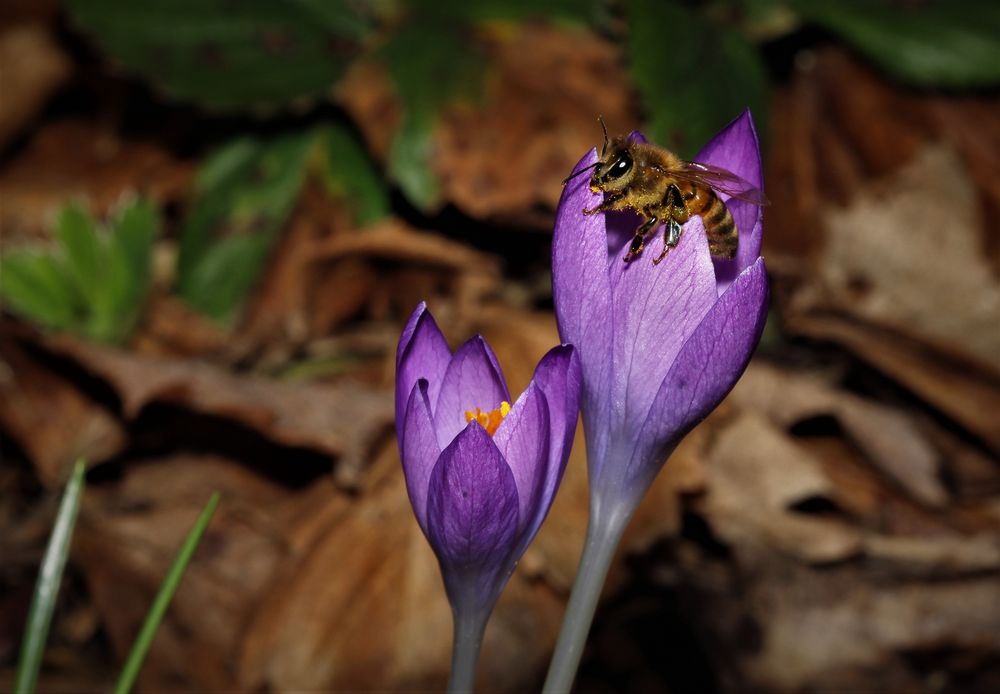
<point x="693" y="65"/>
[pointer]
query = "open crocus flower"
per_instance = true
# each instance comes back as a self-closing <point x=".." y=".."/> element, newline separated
<point x="660" y="345"/>
<point x="481" y="472"/>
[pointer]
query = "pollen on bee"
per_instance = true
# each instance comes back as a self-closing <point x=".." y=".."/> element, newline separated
<point x="489" y="420"/>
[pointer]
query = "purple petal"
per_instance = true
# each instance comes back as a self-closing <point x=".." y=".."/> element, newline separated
<point x="558" y="377"/>
<point x="472" y="509"/>
<point x="523" y="440"/>
<point x="737" y="149"/>
<point x="473" y="379"/>
<point x="418" y="447"/>
<point x="422" y="353"/>
<point x="656" y="309"/>
<point x="582" y="293"/>
<point x="706" y="369"/>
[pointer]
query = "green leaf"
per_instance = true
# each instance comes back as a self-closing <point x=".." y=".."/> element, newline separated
<point x="432" y="65"/>
<point x="571" y="11"/>
<point x="158" y="609"/>
<point x="128" y="276"/>
<point x="694" y="76"/>
<point x="36" y="286"/>
<point x="218" y="179"/>
<point x="227" y="163"/>
<point x="43" y="603"/>
<point x="225" y="275"/>
<point x="95" y="284"/>
<point x="229" y="56"/>
<point x="77" y="234"/>
<point x="245" y="194"/>
<point x="135" y="232"/>
<point x="929" y="43"/>
<point x="350" y="174"/>
<point x="410" y="162"/>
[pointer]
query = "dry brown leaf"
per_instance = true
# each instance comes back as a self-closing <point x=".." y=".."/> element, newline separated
<point x="102" y="169"/>
<point x="342" y="420"/>
<point x="129" y="533"/>
<point x="170" y="327"/>
<point x="969" y="397"/>
<point x="896" y="259"/>
<point x="805" y="602"/>
<point x="755" y="475"/>
<point x="843" y="631"/>
<point x="53" y="422"/>
<point x="877" y="237"/>
<point x="890" y="440"/>
<point x="33" y="66"/>
<point x="323" y="276"/>
<point x="504" y="157"/>
<point x="935" y="558"/>
<point x="449" y="269"/>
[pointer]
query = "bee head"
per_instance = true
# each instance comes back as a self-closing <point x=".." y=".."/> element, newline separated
<point x="615" y="169"/>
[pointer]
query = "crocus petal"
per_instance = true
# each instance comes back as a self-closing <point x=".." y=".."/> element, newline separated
<point x="419" y="449"/>
<point x="558" y="377"/>
<point x="705" y="370"/>
<point x="473" y="379"/>
<point x="656" y="308"/>
<point x="472" y="510"/>
<point x="523" y="440"/>
<point x="422" y="353"/>
<point x="582" y="294"/>
<point x="736" y="148"/>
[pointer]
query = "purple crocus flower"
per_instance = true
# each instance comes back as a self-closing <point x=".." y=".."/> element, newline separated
<point x="481" y="473"/>
<point x="660" y="346"/>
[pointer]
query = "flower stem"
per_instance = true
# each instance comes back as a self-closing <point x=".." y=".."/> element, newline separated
<point x="470" y="624"/>
<point x="598" y="551"/>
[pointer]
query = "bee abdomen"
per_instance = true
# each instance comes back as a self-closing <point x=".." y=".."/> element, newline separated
<point x="719" y="228"/>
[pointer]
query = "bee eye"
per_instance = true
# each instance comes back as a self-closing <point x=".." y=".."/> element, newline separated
<point x="620" y="167"/>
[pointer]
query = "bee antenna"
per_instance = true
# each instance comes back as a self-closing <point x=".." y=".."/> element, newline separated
<point x="605" y="129"/>
<point x="581" y="171"/>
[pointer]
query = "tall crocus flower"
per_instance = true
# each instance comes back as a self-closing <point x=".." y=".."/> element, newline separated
<point x="481" y="472"/>
<point x="660" y="346"/>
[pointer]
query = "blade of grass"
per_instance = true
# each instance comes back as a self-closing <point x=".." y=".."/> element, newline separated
<point x="47" y="588"/>
<point x="159" y="607"/>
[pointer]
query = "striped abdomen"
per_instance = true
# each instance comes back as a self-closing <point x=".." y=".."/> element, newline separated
<point x="719" y="225"/>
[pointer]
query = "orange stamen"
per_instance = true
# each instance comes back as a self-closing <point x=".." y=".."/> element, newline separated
<point x="489" y="420"/>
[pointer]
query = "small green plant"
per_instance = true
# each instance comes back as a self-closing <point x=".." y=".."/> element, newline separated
<point x="94" y="281"/>
<point x="244" y="194"/>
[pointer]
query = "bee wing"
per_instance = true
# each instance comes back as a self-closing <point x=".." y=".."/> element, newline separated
<point x="719" y="179"/>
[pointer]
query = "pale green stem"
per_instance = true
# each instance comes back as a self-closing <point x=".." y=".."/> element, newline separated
<point x="470" y="624"/>
<point x="603" y="534"/>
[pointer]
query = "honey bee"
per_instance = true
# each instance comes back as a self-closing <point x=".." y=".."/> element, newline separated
<point x="664" y="189"/>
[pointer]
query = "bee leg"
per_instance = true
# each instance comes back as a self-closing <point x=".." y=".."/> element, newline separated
<point x="607" y="204"/>
<point x="671" y="237"/>
<point x="672" y="232"/>
<point x="639" y="240"/>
